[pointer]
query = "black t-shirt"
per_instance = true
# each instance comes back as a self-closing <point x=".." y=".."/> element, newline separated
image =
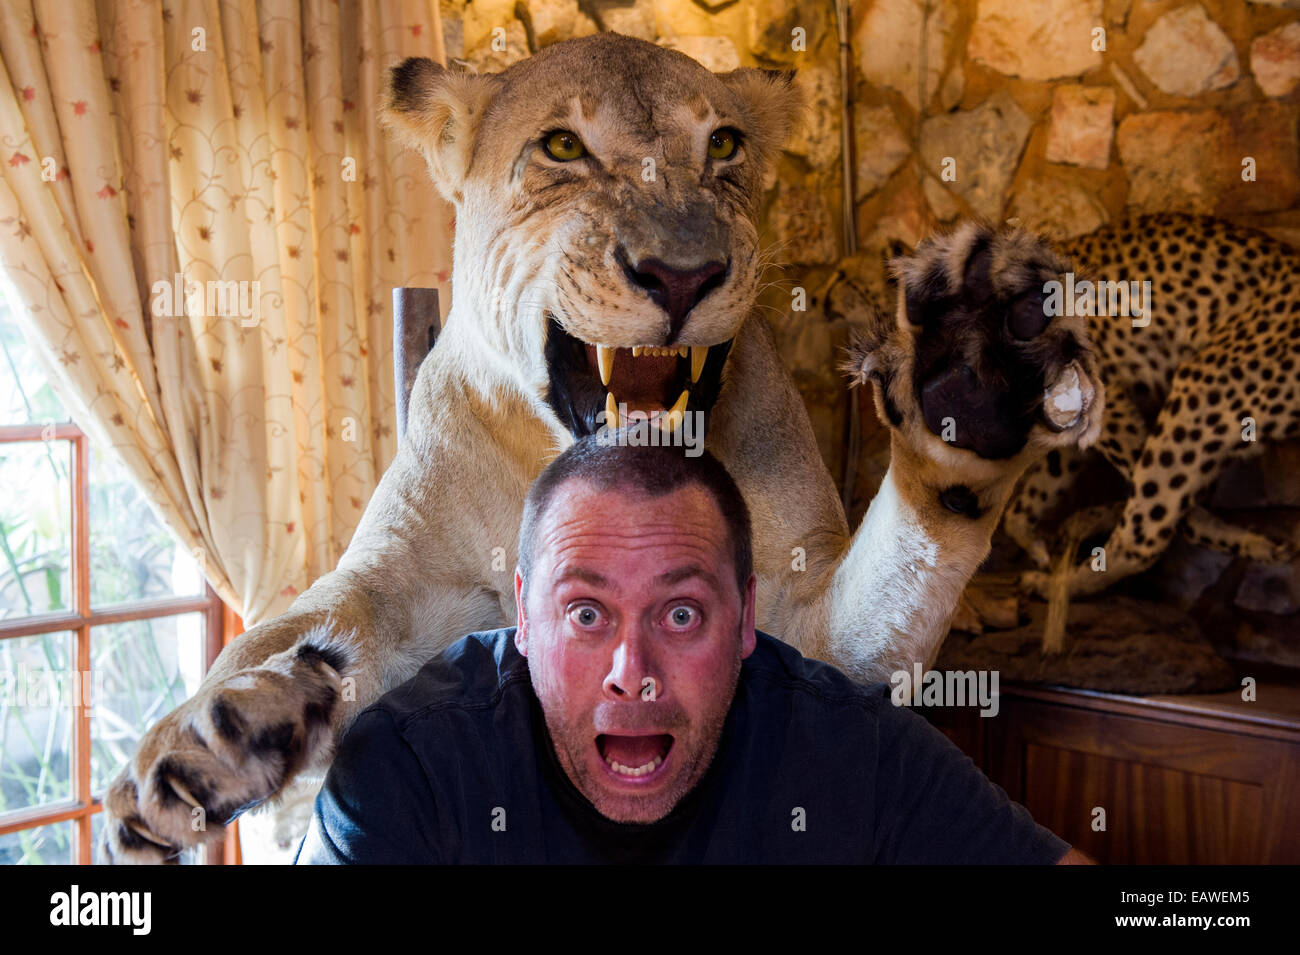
<point x="456" y="765"/>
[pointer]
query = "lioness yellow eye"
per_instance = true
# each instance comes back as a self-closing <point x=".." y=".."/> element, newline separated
<point x="564" y="145"/>
<point x="722" y="144"/>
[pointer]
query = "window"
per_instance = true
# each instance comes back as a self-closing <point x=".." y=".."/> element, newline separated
<point x="105" y="622"/>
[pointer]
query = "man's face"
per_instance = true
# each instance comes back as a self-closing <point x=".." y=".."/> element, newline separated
<point x="626" y="590"/>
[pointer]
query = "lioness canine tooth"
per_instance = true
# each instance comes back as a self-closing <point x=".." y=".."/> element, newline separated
<point x="605" y="359"/>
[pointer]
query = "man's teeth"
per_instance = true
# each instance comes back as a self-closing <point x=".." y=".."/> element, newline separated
<point x="649" y="767"/>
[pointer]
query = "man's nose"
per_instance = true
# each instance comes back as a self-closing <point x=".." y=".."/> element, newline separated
<point x="675" y="289"/>
<point x="630" y="665"/>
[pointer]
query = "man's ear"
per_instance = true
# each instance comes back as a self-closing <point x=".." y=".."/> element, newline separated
<point x="747" y="638"/>
<point x="438" y="112"/>
<point x="521" y="628"/>
<point x="774" y="105"/>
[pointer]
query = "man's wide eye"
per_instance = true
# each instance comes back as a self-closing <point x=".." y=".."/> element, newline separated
<point x="564" y="146"/>
<point x="723" y="144"/>
<point x="682" y="617"/>
<point x="584" y="616"/>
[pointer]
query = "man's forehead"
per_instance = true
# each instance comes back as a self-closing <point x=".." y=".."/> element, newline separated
<point x="692" y="498"/>
<point x="674" y="574"/>
<point x="582" y="518"/>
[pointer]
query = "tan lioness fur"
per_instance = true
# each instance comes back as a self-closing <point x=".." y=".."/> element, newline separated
<point x="536" y="239"/>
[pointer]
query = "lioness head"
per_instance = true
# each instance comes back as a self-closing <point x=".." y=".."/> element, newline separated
<point x="606" y="192"/>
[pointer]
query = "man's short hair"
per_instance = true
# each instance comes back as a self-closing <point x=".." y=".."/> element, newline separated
<point x="652" y="470"/>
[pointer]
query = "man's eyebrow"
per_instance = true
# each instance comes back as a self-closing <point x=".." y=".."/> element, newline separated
<point x="581" y="573"/>
<point x="682" y="573"/>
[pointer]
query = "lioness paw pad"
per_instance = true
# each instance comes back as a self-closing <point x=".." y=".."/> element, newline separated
<point x="992" y="368"/>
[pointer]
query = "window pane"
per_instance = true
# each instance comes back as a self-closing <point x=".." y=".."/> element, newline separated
<point x="53" y="844"/>
<point x="25" y="395"/>
<point x="143" y="670"/>
<point x="35" y="528"/>
<point x="37" y="689"/>
<point x="132" y="556"/>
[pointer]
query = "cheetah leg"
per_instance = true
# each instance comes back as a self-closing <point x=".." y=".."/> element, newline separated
<point x="1209" y="530"/>
<point x="1045" y="484"/>
<point x="1195" y="435"/>
<point x="1123" y="431"/>
<point x="1042" y="491"/>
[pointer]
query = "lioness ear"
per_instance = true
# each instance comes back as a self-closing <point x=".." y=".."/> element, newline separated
<point x="774" y="104"/>
<point x="438" y="112"/>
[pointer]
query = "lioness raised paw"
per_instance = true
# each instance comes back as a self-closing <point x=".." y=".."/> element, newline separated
<point x="973" y="372"/>
<point x="231" y="746"/>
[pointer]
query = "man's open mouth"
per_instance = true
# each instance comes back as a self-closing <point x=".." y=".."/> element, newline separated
<point x="662" y="384"/>
<point x="634" y="756"/>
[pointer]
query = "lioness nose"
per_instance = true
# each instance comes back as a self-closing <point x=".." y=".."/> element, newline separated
<point x="676" y="291"/>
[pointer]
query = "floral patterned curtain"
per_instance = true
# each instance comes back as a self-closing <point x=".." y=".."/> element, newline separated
<point x="203" y="222"/>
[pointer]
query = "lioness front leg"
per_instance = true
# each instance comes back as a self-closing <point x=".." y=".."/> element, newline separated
<point x="976" y="381"/>
<point x="273" y="706"/>
<point x="280" y="695"/>
<point x="266" y="711"/>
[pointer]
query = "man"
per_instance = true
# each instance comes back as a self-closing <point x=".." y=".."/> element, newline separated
<point x="635" y="715"/>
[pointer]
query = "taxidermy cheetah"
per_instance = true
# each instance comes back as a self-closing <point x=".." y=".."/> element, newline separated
<point x="1206" y="377"/>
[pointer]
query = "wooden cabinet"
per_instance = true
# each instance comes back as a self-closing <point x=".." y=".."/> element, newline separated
<point x="1207" y="779"/>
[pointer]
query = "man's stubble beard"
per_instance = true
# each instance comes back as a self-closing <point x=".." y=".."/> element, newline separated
<point x="571" y="747"/>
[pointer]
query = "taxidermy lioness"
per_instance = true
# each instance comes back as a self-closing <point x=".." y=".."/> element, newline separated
<point x="570" y="262"/>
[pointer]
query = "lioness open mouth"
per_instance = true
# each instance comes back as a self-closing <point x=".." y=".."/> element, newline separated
<point x="660" y="383"/>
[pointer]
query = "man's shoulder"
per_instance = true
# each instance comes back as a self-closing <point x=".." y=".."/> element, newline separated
<point x="413" y="760"/>
<point x="775" y="666"/>
<point x="471" y="674"/>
